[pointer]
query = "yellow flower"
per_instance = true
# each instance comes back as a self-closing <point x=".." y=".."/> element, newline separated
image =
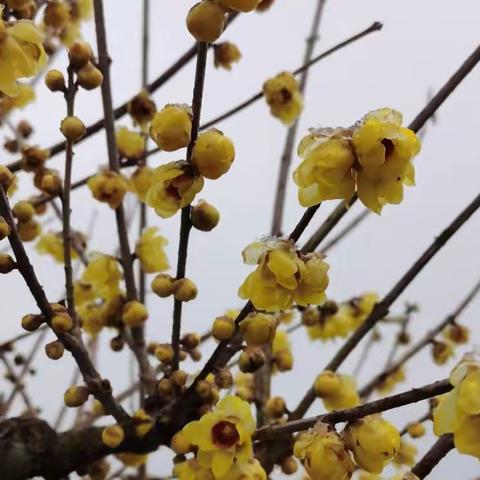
<point x="384" y="151"/>
<point x="283" y="276"/>
<point x="283" y="97"/>
<point x="171" y="127"/>
<point x="85" y="9"/>
<point x="25" y="95"/>
<point x="174" y="186"/>
<point x="150" y="252"/>
<point x="442" y="352"/>
<point x="324" y="454"/>
<point x="245" y="386"/>
<point x="141" y="181"/>
<point x="250" y="470"/>
<point x="21" y="54"/>
<point x="130" y="144"/>
<point x="391" y="381"/>
<point x="282" y="357"/>
<point x="131" y="459"/>
<point x="52" y="244"/>
<point x="326" y="171"/>
<point x="192" y="470"/>
<point x="258" y="329"/>
<point x="226" y="53"/>
<point x="108" y="187"/>
<point x="459" y="410"/>
<point x="337" y="391"/>
<point x="223" y="436"/>
<point x="142" y="109"/>
<point x="373" y="441"/>
<point x="240" y="5"/>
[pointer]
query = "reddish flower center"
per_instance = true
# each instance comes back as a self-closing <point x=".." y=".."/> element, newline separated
<point x="389" y="147"/>
<point x="225" y="434"/>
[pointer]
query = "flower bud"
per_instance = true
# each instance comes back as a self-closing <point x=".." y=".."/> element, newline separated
<point x="134" y="313"/>
<point x="143" y="423"/>
<point x="33" y="158"/>
<point x="89" y="77"/>
<point x="251" y="360"/>
<point x="184" y="290"/>
<point x="213" y="154"/>
<point x="62" y="323"/>
<point x="171" y="127"/>
<point x="240" y="5"/>
<point x="164" y="387"/>
<point x="164" y="353"/>
<point x="54" y="350"/>
<point x="24" y="129"/>
<point x="416" y="430"/>
<point x="75" y="396"/>
<point x="191" y="341"/>
<point x="73" y="128"/>
<point x="179" y="378"/>
<point x="327" y="384"/>
<point x="223" y="378"/>
<point x="226" y="53"/>
<point x="441" y="352"/>
<point x="179" y="444"/>
<point x="28" y="231"/>
<point x="7" y="263"/>
<point x="4" y="228"/>
<point x="205" y="217"/>
<point x="310" y="316"/>
<point x="258" y="329"/>
<point x="289" y="466"/>
<point x="206" y="21"/>
<point x="195" y="355"/>
<point x="55" y="81"/>
<point x="113" y="435"/>
<point x="162" y="285"/>
<point x="117" y="343"/>
<point x="223" y="328"/>
<point x="109" y="187"/>
<point x="6" y="177"/>
<point x="23" y="211"/>
<point x="275" y="407"/>
<point x="203" y="389"/>
<point x="79" y="54"/>
<point x="32" y="322"/>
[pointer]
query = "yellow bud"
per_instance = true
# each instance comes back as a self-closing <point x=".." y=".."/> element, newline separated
<point x="7" y="263"/>
<point x="251" y="360"/>
<point x="55" y="81"/>
<point x="75" y="396"/>
<point x="327" y="384"/>
<point x="162" y="285"/>
<point x="54" y="350"/>
<point x="191" y="340"/>
<point x="143" y="423"/>
<point x="51" y="183"/>
<point x="171" y="127"/>
<point x="264" y="5"/>
<point x="109" y="187"/>
<point x="164" y="353"/>
<point x="164" y="387"/>
<point x="142" y="108"/>
<point x="134" y="314"/>
<point x="258" y="329"/>
<point x="89" y="77"/>
<point x="223" y="378"/>
<point x="240" y="5"/>
<point x="184" y="290"/>
<point x="113" y="435"/>
<point x="203" y="389"/>
<point x="213" y="154"/>
<point x="23" y="211"/>
<point x="32" y="322"/>
<point x="275" y="407"/>
<point x="98" y="409"/>
<point x="62" y="322"/>
<point x="416" y="430"/>
<point x="6" y="177"/>
<point x="205" y="217"/>
<point x="72" y="128"/>
<point x="206" y="21"/>
<point x="310" y="316"/>
<point x="179" y="444"/>
<point x="79" y="54"/>
<point x="28" y="231"/>
<point x="441" y="352"/>
<point x="223" y="328"/>
<point x="179" y="378"/>
<point x="33" y="158"/>
<point x="289" y="466"/>
<point x="284" y="361"/>
<point x="226" y="53"/>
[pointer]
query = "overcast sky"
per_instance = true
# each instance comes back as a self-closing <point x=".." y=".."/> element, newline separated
<point x="421" y="45"/>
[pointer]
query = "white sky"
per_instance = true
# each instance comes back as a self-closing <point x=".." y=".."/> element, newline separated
<point x="421" y="44"/>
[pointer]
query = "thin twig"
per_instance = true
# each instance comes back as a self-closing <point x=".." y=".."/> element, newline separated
<point x="17" y="382"/>
<point x="382" y="405"/>
<point x="432" y="458"/>
<point x="185" y="223"/>
<point x="376" y="26"/>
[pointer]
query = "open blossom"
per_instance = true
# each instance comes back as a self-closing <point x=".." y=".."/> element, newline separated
<point x="384" y="151"/>
<point x="192" y="470"/>
<point x="326" y="171"/>
<point x="21" y="53"/>
<point x="283" y="96"/>
<point x="459" y="409"/>
<point x="52" y="244"/>
<point x="150" y="251"/>
<point x="283" y="276"/>
<point x="337" y="391"/>
<point x="224" y="436"/>
<point x="373" y="441"/>
<point x="174" y="186"/>
<point x="324" y="454"/>
<point x="140" y="181"/>
<point x="282" y="356"/>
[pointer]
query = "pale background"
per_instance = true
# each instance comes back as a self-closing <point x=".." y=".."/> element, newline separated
<point x="421" y="44"/>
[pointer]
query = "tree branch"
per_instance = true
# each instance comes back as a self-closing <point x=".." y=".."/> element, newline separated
<point x="432" y="458"/>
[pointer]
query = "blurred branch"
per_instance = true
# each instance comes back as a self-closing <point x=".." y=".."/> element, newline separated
<point x="432" y="458"/>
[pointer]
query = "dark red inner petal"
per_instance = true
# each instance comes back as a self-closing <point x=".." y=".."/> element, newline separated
<point x="389" y="147"/>
<point x="225" y="434"/>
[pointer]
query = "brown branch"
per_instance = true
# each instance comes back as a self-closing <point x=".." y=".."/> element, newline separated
<point x="432" y="458"/>
<point x="99" y="387"/>
<point x="16" y="381"/>
<point x="185" y="223"/>
<point x="138" y="344"/>
<point x="420" y="344"/>
<point x="376" y="26"/>
<point x="377" y="406"/>
<point x="381" y="308"/>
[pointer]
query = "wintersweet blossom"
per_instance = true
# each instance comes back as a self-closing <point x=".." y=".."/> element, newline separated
<point x="150" y="251"/>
